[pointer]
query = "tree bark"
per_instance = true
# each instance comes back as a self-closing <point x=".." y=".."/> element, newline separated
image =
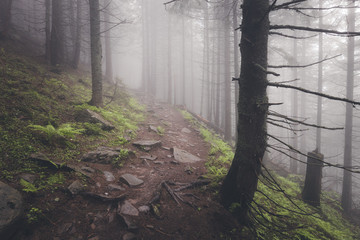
<point x="108" y="55"/>
<point x="227" y="77"/>
<point x="236" y="58"/>
<point x="5" y="16"/>
<point x="48" y="30"/>
<point x="312" y="188"/>
<point x="97" y="99"/>
<point x="169" y="63"/>
<point x="57" y="34"/>
<point x="77" y="42"/>
<point x="346" y="197"/>
<point x="240" y="183"/>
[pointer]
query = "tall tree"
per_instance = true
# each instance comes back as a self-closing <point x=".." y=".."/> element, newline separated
<point x="57" y="34"/>
<point x="96" y="72"/>
<point x="5" y="16"/>
<point x="346" y="197"/>
<point x="77" y="41"/>
<point x="108" y="52"/>
<point x="48" y="30"/>
<point x="240" y="183"/>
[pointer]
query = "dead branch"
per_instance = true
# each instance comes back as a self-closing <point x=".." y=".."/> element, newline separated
<point x="303" y="66"/>
<point x="194" y="184"/>
<point x="287" y="4"/>
<point x="170" y="191"/>
<point x="318" y="30"/>
<point x="274" y="84"/>
<point x="289" y="36"/>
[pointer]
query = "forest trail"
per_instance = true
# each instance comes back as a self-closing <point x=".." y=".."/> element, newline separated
<point x="168" y="200"/>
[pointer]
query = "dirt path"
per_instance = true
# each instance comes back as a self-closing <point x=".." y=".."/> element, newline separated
<point x="153" y="209"/>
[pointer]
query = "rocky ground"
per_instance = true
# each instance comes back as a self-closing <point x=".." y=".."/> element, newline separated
<point x="158" y="193"/>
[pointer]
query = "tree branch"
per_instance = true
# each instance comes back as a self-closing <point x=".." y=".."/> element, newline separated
<point x="319" y="30"/>
<point x="274" y="84"/>
<point x="303" y="66"/>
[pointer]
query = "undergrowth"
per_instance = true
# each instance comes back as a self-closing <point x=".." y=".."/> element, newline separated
<point x="277" y="211"/>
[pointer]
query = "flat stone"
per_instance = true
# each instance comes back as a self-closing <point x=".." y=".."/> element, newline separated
<point x="147" y="143"/>
<point x="186" y="130"/>
<point x="76" y="187"/>
<point x="114" y="187"/>
<point x="101" y="155"/>
<point x="28" y="177"/>
<point x="144" y="209"/>
<point x="91" y="116"/>
<point x="11" y="210"/>
<point x="129" y="236"/>
<point x="131" y="180"/>
<point x="184" y="156"/>
<point x="109" y="176"/>
<point x="87" y="169"/>
<point x="154" y="129"/>
<point x="149" y="157"/>
<point x="129" y="222"/>
<point x="159" y="162"/>
<point x="128" y="209"/>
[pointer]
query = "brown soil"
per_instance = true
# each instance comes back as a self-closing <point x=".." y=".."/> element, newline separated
<point x="198" y="216"/>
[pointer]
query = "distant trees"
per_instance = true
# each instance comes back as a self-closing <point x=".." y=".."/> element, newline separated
<point x="57" y="39"/>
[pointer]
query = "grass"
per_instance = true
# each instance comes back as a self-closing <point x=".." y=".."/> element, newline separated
<point x="278" y="212"/>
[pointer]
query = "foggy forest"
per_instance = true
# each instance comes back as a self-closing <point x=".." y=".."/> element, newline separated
<point x="179" y="119"/>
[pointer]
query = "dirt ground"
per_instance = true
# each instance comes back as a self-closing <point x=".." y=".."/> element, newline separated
<point x="191" y="213"/>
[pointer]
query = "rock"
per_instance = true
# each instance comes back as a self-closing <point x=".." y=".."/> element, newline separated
<point x="144" y="209"/>
<point x="169" y="156"/>
<point x="147" y="143"/>
<point x="129" y="236"/>
<point x="128" y="209"/>
<point x="129" y="222"/>
<point x="93" y="117"/>
<point x="188" y="170"/>
<point x="166" y="148"/>
<point x="114" y="187"/>
<point x="28" y="177"/>
<point x="102" y="155"/>
<point x="159" y="162"/>
<point x="154" y="129"/>
<point x="64" y="228"/>
<point x="76" y="187"/>
<point x="175" y="162"/>
<point x="109" y="176"/>
<point x="131" y="180"/>
<point x="184" y="156"/>
<point x="186" y="130"/>
<point x="88" y="169"/>
<point x="149" y="157"/>
<point x="104" y="197"/>
<point x="11" y="210"/>
<point x="94" y="238"/>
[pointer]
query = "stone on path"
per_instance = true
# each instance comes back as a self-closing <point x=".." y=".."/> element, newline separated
<point x="109" y="176"/>
<point x="147" y="143"/>
<point x="154" y="129"/>
<point x="144" y="209"/>
<point x="11" y="210"/>
<point x="184" y="156"/>
<point x="186" y="130"/>
<point x="114" y="187"/>
<point x="93" y="117"/>
<point x="76" y="187"/>
<point x="129" y="222"/>
<point x="131" y="180"/>
<point x="126" y="208"/>
<point x="104" y="155"/>
<point x="28" y="177"/>
<point x="149" y="157"/>
<point x="129" y="236"/>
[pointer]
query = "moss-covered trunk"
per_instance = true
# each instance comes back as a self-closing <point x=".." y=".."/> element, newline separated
<point x="240" y="183"/>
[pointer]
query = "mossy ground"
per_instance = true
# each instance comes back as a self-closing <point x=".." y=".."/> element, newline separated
<point x="278" y="211"/>
<point x="38" y="111"/>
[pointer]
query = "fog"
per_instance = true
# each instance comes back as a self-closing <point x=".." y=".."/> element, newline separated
<point x="184" y="53"/>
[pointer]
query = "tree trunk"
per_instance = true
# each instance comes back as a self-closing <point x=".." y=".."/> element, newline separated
<point x="236" y="58"/>
<point x="5" y="16"/>
<point x="320" y="84"/>
<point x="77" y="42"/>
<point x="227" y="78"/>
<point x="108" y="55"/>
<point x="57" y="34"/>
<point x="240" y="183"/>
<point x="346" y="197"/>
<point x="312" y="188"/>
<point x="97" y="99"/>
<point x="169" y="63"/>
<point x="48" y="30"/>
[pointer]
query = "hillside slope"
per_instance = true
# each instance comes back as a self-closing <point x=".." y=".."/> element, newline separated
<point x="46" y="147"/>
